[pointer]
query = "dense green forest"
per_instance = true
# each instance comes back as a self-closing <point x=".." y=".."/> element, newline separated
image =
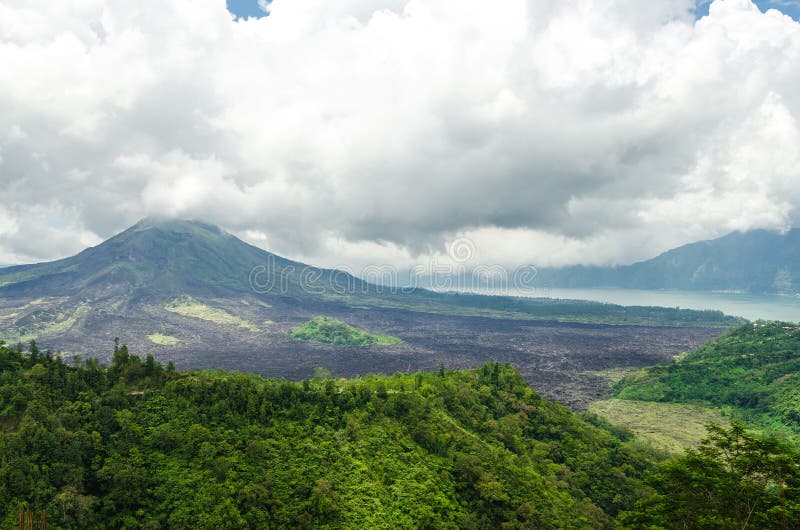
<point x="733" y="480"/>
<point x="753" y="372"/>
<point x="137" y="445"/>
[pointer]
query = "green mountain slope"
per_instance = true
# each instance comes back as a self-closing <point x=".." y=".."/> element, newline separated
<point x="168" y="257"/>
<point x="758" y="261"/>
<point x="753" y="371"/>
<point x="137" y="446"/>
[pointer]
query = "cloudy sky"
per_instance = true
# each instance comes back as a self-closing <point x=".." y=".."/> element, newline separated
<point x="355" y="131"/>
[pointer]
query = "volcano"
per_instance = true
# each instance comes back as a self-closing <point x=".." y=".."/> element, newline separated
<point x="189" y="292"/>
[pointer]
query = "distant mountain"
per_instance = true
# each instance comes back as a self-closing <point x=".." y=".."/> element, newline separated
<point x="158" y="257"/>
<point x="757" y="261"/>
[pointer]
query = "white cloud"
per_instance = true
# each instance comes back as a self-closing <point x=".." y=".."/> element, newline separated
<point x="592" y="131"/>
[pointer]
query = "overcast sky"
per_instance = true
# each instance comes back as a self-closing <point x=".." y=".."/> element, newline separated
<point x="356" y="131"/>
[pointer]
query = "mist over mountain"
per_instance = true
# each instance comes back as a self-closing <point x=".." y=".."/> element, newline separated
<point x="758" y="261"/>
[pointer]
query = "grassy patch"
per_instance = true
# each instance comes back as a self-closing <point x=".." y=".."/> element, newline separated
<point x="669" y="427"/>
<point x="21" y="310"/>
<point x="190" y="307"/>
<point x="332" y="331"/>
<point x="163" y="340"/>
<point x="8" y="316"/>
<point x="43" y="322"/>
<point x="612" y="375"/>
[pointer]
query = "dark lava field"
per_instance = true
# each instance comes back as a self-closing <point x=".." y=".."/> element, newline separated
<point x="567" y="362"/>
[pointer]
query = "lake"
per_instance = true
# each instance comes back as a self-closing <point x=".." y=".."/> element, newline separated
<point x="751" y="307"/>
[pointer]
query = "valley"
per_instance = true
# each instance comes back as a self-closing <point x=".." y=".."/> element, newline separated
<point x="556" y="358"/>
<point x="184" y="291"/>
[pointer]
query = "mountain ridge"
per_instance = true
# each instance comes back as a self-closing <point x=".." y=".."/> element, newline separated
<point x="756" y="261"/>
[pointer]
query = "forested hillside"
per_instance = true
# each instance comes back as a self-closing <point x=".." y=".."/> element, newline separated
<point x="752" y="371"/>
<point x="135" y="445"/>
<point x="733" y="481"/>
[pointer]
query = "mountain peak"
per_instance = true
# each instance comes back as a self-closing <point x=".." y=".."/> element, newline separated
<point x="174" y="225"/>
<point x="157" y="254"/>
